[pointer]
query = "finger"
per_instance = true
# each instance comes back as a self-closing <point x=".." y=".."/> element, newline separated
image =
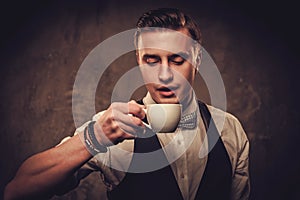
<point x="126" y="122"/>
<point x="105" y="131"/>
<point x="120" y="136"/>
<point x="116" y="125"/>
<point x="130" y="128"/>
<point x="129" y="136"/>
<point x="127" y="119"/>
<point x="129" y="108"/>
<point x="136" y="109"/>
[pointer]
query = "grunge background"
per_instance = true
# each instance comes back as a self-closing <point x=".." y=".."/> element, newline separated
<point x="254" y="44"/>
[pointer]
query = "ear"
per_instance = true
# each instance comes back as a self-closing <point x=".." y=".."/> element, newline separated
<point x="199" y="59"/>
<point x="137" y="56"/>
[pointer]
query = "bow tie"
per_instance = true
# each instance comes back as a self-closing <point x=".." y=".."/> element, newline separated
<point x="188" y="121"/>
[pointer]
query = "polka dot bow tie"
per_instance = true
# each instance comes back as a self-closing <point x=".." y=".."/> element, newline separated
<point x="188" y="121"/>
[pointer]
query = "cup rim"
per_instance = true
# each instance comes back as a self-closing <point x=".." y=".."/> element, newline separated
<point x="164" y="104"/>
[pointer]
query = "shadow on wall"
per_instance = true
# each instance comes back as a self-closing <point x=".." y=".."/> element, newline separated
<point x="43" y="49"/>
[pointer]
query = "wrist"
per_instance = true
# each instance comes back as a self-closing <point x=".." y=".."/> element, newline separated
<point x="91" y="142"/>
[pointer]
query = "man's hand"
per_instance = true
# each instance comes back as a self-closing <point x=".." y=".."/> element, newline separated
<point x="121" y="121"/>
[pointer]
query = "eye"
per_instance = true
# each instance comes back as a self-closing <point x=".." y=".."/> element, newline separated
<point x="151" y="61"/>
<point x="178" y="60"/>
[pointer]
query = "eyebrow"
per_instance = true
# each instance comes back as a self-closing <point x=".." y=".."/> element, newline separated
<point x="184" y="55"/>
<point x="150" y="56"/>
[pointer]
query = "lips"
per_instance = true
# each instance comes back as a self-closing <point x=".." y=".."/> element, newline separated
<point x="166" y="91"/>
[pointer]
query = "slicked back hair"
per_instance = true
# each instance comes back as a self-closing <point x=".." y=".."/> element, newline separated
<point x="170" y="18"/>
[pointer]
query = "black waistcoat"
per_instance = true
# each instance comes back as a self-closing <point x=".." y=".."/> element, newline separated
<point x="162" y="184"/>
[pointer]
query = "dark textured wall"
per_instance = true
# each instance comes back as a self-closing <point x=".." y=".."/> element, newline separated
<point x="253" y="44"/>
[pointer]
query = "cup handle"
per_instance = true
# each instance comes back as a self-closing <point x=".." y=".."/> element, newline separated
<point x="147" y="125"/>
<point x="145" y="110"/>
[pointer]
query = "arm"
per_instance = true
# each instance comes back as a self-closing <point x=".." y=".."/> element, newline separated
<point x="241" y="179"/>
<point x="43" y="174"/>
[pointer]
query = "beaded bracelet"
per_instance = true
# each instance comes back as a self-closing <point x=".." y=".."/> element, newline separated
<point x="93" y="138"/>
<point x="88" y="143"/>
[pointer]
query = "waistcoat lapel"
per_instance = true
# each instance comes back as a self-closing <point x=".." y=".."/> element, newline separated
<point x="217" y="177"/>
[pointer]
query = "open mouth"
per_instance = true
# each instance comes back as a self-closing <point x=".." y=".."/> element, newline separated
<point x="166" y="91"/>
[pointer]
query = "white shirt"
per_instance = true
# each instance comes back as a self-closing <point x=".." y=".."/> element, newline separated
<point x="186" y="151"/>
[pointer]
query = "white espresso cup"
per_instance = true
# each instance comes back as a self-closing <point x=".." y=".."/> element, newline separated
<point x="163" y="118"/>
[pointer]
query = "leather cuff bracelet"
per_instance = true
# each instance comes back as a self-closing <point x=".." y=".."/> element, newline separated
<point x="89" y="145"/>
<point x="93" y="138"/>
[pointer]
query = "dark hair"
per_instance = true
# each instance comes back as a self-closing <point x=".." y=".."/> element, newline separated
<point x="170" y="18"/>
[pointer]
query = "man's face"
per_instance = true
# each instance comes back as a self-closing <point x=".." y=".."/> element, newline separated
<point x="166" y="61"/>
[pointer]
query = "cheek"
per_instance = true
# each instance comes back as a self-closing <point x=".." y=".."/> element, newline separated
<point x="149" y="86"/>
<point x="150" y="75"/>
<point x="188" y="75"/>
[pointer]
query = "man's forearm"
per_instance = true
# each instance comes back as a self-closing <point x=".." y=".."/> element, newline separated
<point x="39" y="175"/>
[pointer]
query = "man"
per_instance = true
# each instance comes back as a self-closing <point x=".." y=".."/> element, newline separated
<point x="115" y="142"/>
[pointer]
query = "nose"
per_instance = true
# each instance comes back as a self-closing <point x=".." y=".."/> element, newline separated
<point x="165" y="74"/>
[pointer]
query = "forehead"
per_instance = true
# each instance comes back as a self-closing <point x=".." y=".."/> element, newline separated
<point x="165" y="40"/>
